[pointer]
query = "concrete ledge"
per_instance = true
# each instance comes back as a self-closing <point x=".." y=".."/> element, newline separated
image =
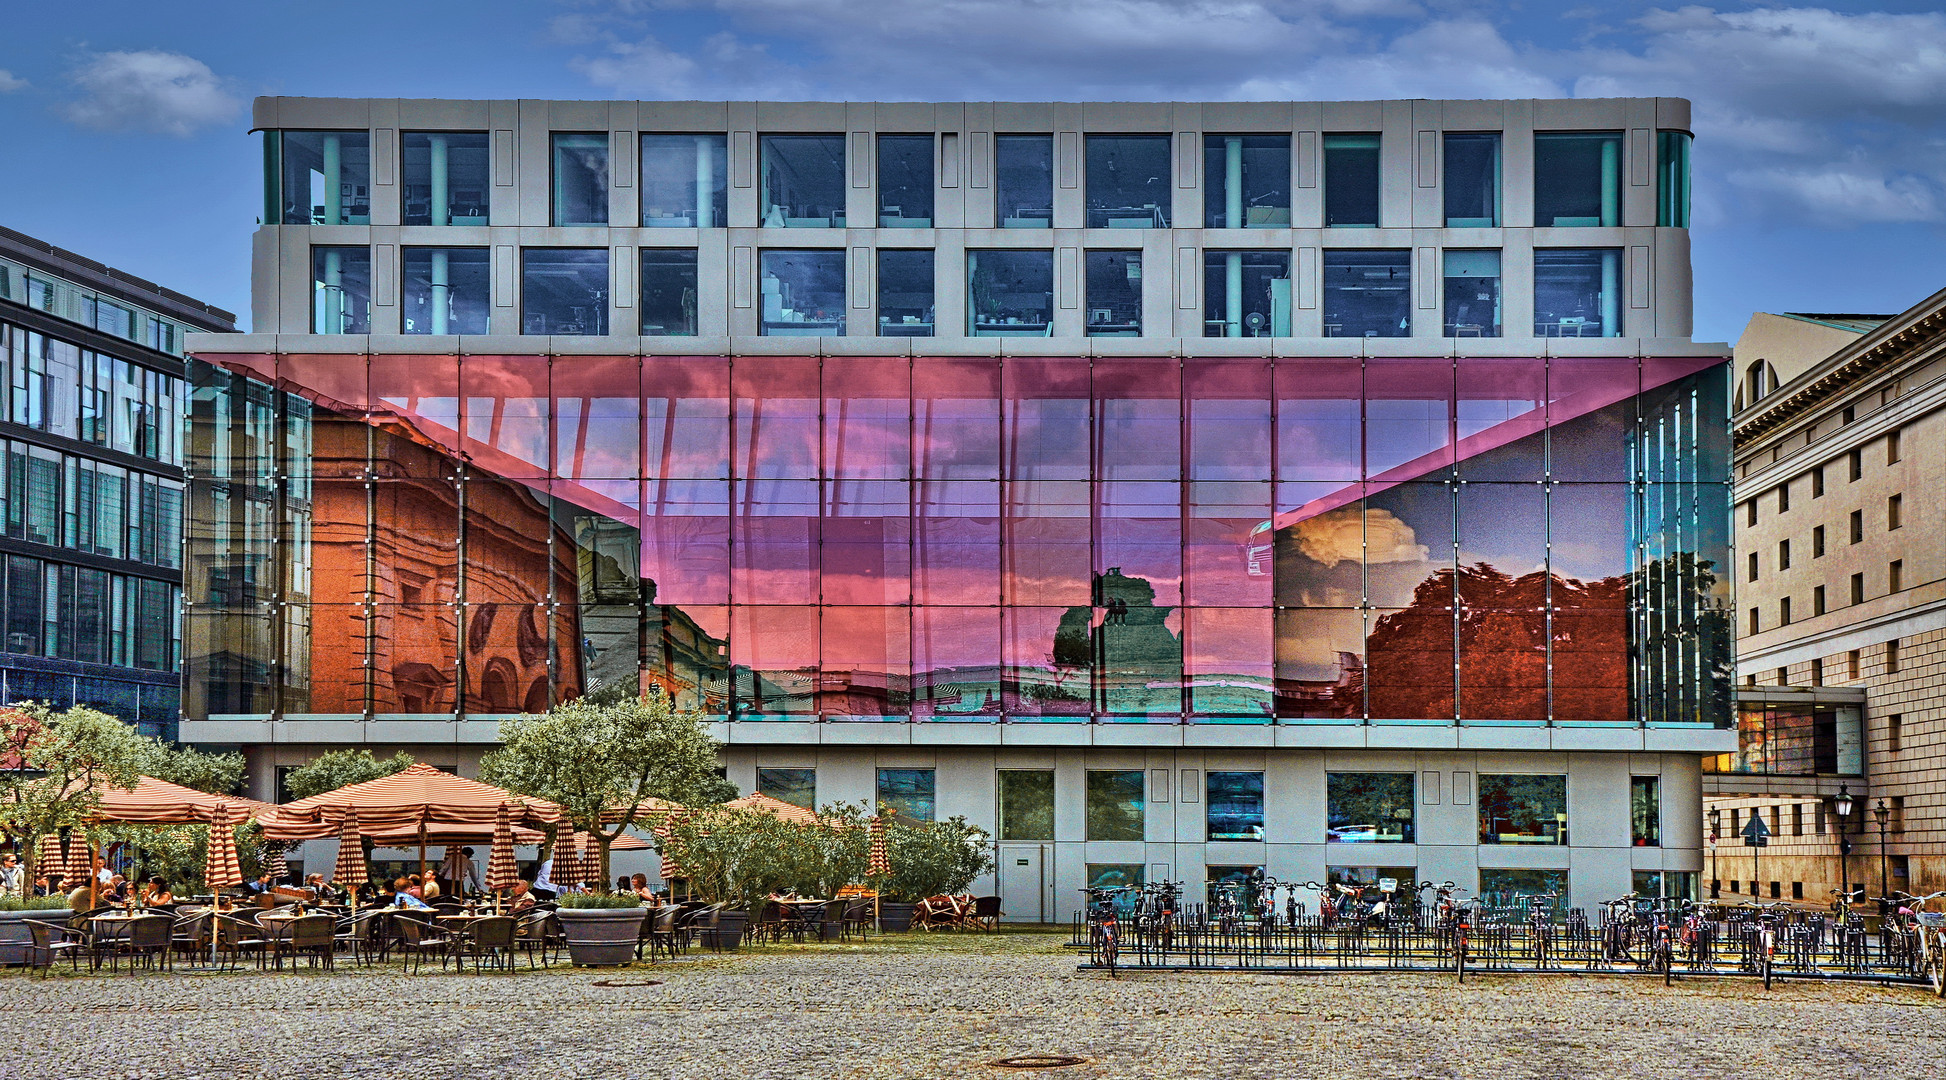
<point x="864" y="734"/>
<point x="1046" y="735"/>
<point x="1321" y="735"/>
<point x="955" y="734"/>
<point x="1218" y="735"/>
<point x="1505" y="738"/>
<point x="1137" y="734"/>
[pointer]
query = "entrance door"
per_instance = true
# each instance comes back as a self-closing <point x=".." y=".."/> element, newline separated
<point x="1023" y="882"/>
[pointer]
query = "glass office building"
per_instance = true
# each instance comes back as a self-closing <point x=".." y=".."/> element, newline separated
<point x="91" y="482"/>
<point x="1123" y="549"/>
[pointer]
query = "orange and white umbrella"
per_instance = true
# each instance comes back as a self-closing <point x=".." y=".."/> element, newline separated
<point x="349" y="872"/>
<point x="879" y="862"/>
<point x="81" y="860"/>
<point x="220" y="868"/>
<point x="49" y="862"/>
<point x="502" y="871"/>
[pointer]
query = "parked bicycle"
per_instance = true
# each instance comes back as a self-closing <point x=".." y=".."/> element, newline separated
<point x="1104" y="934"/>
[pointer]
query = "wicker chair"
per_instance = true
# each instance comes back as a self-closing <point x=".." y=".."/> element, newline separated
<point x="190" y="936"/>
<point x="857" y="917"/>
<point x="691" y="923"/>
<point x="236" y="938"/>
<point x="534" y="932"/>
<point x="489" y="940"/>
<point x="419" y="940"/>
<point x="49" y="941"/>
<point x="314" y="937"/>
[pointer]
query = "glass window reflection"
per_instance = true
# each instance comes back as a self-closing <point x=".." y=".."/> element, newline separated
<point x="799" y="787"/>
<point x="325" y="177"/>
<point x="444" y="177"/>
<point x="341" y="290"/>
<point x="1010" y="293"/>
<point x="1115" y="804"/>
<point x="580" y="178"/>
<point x="905" y="296"/>
<point x="445" y="291"/>
<point x="905" y="183"/>
<point x="1367" y="294"/>
<point x="1368" y="808"/>
<point x="1246" y="181"/>
<point x="1235" y="805"/>
<point x="684" y="181"/>
<point x="803" y="181"/>
<point x="1114" y="294"/>
<point x="668" y="292"/>
<point x="907" y="793"/>
<point x="1023" y="168"/>
<point x="1247" y="294"/>
<point x="1351" y="181"/>
<point x="1523" y="809"/>
<point x="1472" y="179"/>
<point x="1472" y="293"/>
<point x="803" y="294"/>
<point x="1578" y="292"/>
<point x="1128" y="181"/>
<point x="564" y="291"/>
<point x="1026" y="804"/>
<point x="1577" y="178"/>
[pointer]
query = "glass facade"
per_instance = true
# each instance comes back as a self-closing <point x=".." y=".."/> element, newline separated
<point x="803" y="293"/>
<point x="445" y="290"/>
<point x="685" y="181"/>
<point x="1308" y="540"/>
<point x="341" y="290"/>
<point x="318" y="177"/>
<point x="76" y="303"/>
<point x="1023" y="181"/>
<point x="1246" y="294"/>
<point x="668" y="297"/>
<point x="444" y="178"/>
<point x="1793" y="738"/>
<point x="580" y="188"/>
<point x="905" y="192"/>
<point x="803" y="181"/>
<point x="1128" y="181"/>
<point x="1577" y="178"/>
<point x="564" y="291"/>
<point x="1368" y="294"/>
<point x="1472" y="179"/>
<point x="1351" y="181"/>
<point x="1672" y="179"/>
<point x="905" y="292"/>
<point x="1247" y="181"/>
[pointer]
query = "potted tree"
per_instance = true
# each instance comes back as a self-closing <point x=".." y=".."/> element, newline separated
<point x="934" y="858"/>
<point x="601" y="928"/>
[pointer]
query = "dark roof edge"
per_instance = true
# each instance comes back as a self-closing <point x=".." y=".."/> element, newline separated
<point x="120" y="284"/>
<point x="1875" y="348"/>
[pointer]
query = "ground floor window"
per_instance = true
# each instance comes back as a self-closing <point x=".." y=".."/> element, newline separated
<point x="1245" y="877"/>
<point x="799" y="787"/>
<point x="907" y="792"/>
<point x="1368" y="808"/>
<point x="1523" y="809"/>
<point x="1115" y="804"/>
<point x="1510" y="888"/>
<point x="1236" y="805"/>
<point x="1370" y="876"/>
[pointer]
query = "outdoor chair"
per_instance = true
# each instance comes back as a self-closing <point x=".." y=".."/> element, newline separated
<point x="659" y="932"/>
<point x="418" y="940"/>
<point x="937" y="913"/>
<point x="314" y="937"/>
<point x="236" y="938"/>
<point x="857" y="917"/>
<point x="533" y="933"/>
<point x="689" y="924"/>
<point x="489" y="940"/>
<point x="769" y="923"/>
<point x="142" y="938"/>
<point x="190" y="935"/>
<point x="364" y="936"/>
<point x="49" y="941"/>
<point x="985" y="913"/>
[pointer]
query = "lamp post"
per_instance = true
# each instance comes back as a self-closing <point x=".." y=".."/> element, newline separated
<point x="1842" y="804"/>
<point x="1884" y="814"/>
<point x="1716" y="830"/>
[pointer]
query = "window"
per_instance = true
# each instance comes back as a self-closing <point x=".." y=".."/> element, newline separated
<point x="1892" y="657"/>
<point x="1893" y="725"/>
<point x="1523" y="809"/>
<point x="683" y="182"/>
<point x="1023" y="181"/>
<point x="803" y="181"/>
<point x="1756" y="626"/>
<point x="1246" y="294"/>
<point x="668" y="292"/>
<point x="1507" y="888"/>
<point x="1894" y="512"/>
<point x="1115" y="804"/>
<point x="1026" y="804"/>
<point x="1672" y="179"/>
<point x="1783" y="676"/>
<point x="1856" y="459"/>
<point x="1898" y="816"/>
<point x="1784" y="611"/>
<point x="1892" y="448"/>
<point x="444" y="291"/>
<point x="1235" y="810"/>
<point x="1011" y="293"/>
<point x="905" y="297"/>
<point x="341" y="290"/>
<point x="1783" y="554"/>
<point x="1817" y="482"/>
<point x="1750" y="512"/>
<point x="1817" y="600"/>
<point x="580" y="178"/>
<point x="1895" y="576"/>
<point x="564" y="291"/>
<point x="1852" y="663"/>
<point x="1817" y="542"/>
<point x="1114" y="294"/>
<point x="905" y="186"/>
<point x="1797" y="819"/>
<point x="1752" y="560"/>
<point x="1857" y="526"/>
<point x="907" y="793"/>
<point x="1472" y="179"/>
<point x="803" y="293"/>
<point x="1817" y="671"/>
<point x="1113" y="875"/>
<point x="1472" y="296"/>
<point x="1367" y="293"/>
<point x="1246" y="182"/>
<point x="799" y="787"/>
<point x="321" y="177"/>
<point x="1858" y="588"/>
<point x="1351" y="181"/>
<point x="444" y="177"/>
<point x="1578" y="293"/>
<point x="1577" y="179"/>
<point x="1783" y="498"/>
<point x="1368" y="808"/>
<point x="1128" y="181"/>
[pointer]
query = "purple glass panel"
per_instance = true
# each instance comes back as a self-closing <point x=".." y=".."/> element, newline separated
<point x="868" y="418"/>
<point x="686" y="541"/>
<point x="1140" y="534"/>
<point x="1408" y="419"/>
<point x="774" y="659"/>
<point x="956" y="542"/>
<point x="1229" y="419"/>
<point x="775" y="535"/>
<point x="597" y="417"/>
<point x="865" y="666"/>
<point x="1320" y="663"/>
<point x="867" y="542"/>
<point x="1501" y="411"/>
<point x="955" y="663"/>
<point x="1048" y="653"/>
<point x="1138" y="419"/>
<point x="1227" y="545"/>
<point x="1047" y="531"/>
<point x="1591" y="407"/>
<point x="419" y="394"/>
<point x="956" y="419"/>
<point x="685" y="417"/>
<point x="1046" y="420"/>
<point x="776" y="403"/>
<point x="1227" y="661"/>
<point x="505" y="406"/>
<point x="1319" y="406"/>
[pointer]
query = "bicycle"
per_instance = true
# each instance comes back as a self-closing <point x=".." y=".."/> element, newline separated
<point x="1462" y="929"/>
<point x="1540" y="924"/>
<point x="1930" y="928"/>
<point x="1103" y="931"/>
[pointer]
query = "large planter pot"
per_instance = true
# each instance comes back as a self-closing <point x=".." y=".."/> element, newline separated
<point x="895" y="916"/>
<point x="16" y="935"/>
<point x="728" y="931"/>
<point x="601" y="937"/>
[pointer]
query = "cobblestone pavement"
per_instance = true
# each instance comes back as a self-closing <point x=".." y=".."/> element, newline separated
<point x="942" y="1005"/>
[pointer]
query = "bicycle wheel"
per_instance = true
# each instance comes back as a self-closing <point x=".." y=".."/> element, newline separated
<point x="1936" y="961"/>
<point x="1765" y="961"/>
<point x="1459" y="959"/>
<point x="1665" y="959"/>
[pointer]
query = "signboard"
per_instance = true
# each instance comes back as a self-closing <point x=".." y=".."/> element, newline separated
<point x="1756" y="834"/>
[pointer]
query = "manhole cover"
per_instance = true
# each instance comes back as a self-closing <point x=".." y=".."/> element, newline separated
<point x="1037" y="1061"/>
<point x="627" y="982"/>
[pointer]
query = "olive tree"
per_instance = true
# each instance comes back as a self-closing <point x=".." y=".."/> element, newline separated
<point x="54" y="765"/>
<point x="338" y="768"/>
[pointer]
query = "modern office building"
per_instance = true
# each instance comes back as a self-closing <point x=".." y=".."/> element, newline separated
<point x="92" y="495"/>
<point x="1172" y="489"/>
<point x="1841" y="591"/>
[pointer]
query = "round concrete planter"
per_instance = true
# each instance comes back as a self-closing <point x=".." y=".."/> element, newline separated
<point x="15" y="935"/>
<point x="601" y="937"/>
<point x="728" y="931"/>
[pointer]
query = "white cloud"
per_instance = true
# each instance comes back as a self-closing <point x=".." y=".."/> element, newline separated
<point x="149" y="90"/>
<point x="10" y="82"/>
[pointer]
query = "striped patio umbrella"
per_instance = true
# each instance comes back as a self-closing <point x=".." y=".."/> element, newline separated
<point x="81" y="860"/>
<point x="571" y="861"/>
<point x="49" y="860"/>
<point x="502" y="872"/>
<point x="276" y="860"/>
<point x="350" y="871"/>
<point x="879" y="863"/>
<point x="220" y="869"/>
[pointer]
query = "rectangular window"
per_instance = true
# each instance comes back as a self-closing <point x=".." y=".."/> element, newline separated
<point x="1752" y="560"/>
<point x="444" y="177"/>
<point x="1817" y="671"/>
<point x="1246" y="181"/>
<point x="1892" y="657"/>
<point x="1817" y="600"/>
<point x="1858" y="588"/>
<point x="1893" y="732"/>
<point x="1578" y="292"/>
<point x="1472" y="293"/>
<point x="1472" y="179"/>
<point x="1672" y="179"/>
<point x="580" y="185"/>
<point x="905" y="296"/>
<point x="1235" y="807"/>
<point x="684" y="181"/>
<point x="1113" y="875"/>
<point x="1026" y="804"/>
<point x="1817" y="482"/>
<point x="341" y="290"/>
<point x="1523" y="809"/>
<point x="1128" y="181"/>
<point x="1750" y="512"/>
<point x="1852" y="664"/>
<point x="1115" y="804"/>
<point x="1783" y="554"/>
<point x="1895" y="576"/>
<point x="907" y="793"/>
<point x="1368" y="808"/>
<point x="1010" y="293"/>
<point x="1897" y="821"/>
<point x="325" y="177"/>
<point x="668" y="292"/>
<point x="1246" y="294"/>
<point x="1783" y="498"/>
<point x="1784" y="611"/>
<point x="1577" y="179"/>
<point x="803" y="181"/>
<point x="799" y="787"/>
<point x="445" y="291"/>
<point x="1755" y="622"/>
<point x="1351" y="181"/>
<point x="803" y="293"/>
<point x="1857" y="461"/>
<point x="1817" y="542"/>
<point x="1892" y="448"/>
<point x="1894" y="512"/>
<point x="564" y="291"/>
<point x="905" y="184"/>
<point x="1367" y="293"/>
<point x="1114" y="294"/>
<point x="1857" y="526"/>
<point x="1508" y="889"/>
<point x="1023" y="181"/>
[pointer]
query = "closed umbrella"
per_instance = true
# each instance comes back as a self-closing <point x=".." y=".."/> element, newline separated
<point x="349" y="872"/>
<point x="50" y="862"/>
<point x="220" y="869"/>
<point x="502" y="872"/>
<point x="571" y="861"/>
<point x="879" y="863"/>
<point x="276" y="861"/>
<point x="81" y="864"/>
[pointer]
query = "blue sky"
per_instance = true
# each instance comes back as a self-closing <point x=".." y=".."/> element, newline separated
<point x="1821" y="132"/>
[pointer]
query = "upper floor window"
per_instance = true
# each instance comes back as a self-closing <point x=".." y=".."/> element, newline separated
<point x="905" y="181"/>
<point x="1023" y="181"/>
<point x="1128" y="181"/>
<point x="445" y="291"/>
<point x="319" y="177"/>
<point x="1672" y="179"/>
<point x="1472" y="288"/>
<point x="668" y="292"/>
<point x="803" y="293"/>
<point x="445" y="178"/>
<point x="1114" y="294"/>
<point x="1578" y="293"/>
<point x="803" y="181"/>
<point x="1577" y="178"/>
<point x="1472" y="179"/>
<point x="1247" y="294"/>
<point x="580" y="178"/>
<point x="1010" y="293"/>
<point x="1351" y="181"/>
<point x="1367" y="293"/>
<point x="1246" y="181"/>
<point x="341" y="290"/>
<point x="683" y="181"/>
<point x="905" y="292"/>
<point x="564" y="291"/>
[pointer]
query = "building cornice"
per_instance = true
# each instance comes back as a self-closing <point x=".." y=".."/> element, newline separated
<point x="1870" y="354"/>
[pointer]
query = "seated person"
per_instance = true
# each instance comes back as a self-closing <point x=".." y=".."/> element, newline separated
<point x="622" y="885"/>
<point x="80" y="900"/>
<point x="403" y="897"/>
<point x="117" y="891"/>
<point x="260" y="886"/>
<point x="156" y="893"/>
<point x="411" y="883"/>
<point x="520" y="897"/>
<point x="321" y="890"/>
<point x="367" y="892"/>
<point x="639" y="885"/>
<point x="429" y="889"/>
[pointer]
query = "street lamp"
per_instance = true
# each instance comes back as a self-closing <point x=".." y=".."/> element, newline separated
<point x="1716" y="831"/>
<point x="1842" y="804"/>
<point x="1884" y="814"/>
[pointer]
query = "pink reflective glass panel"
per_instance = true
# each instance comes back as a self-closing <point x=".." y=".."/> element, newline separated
<point x="1228" y="551"/>
<point x="1319" y="410"/>
<point x="1229" y="419"/>
<point x="867" y="418"/>
<point x="955" y="662"/>
<point x="1047" y="653"/>
<point x="776" y="404"/>
<point x="1140" y="533"/>
<point x="1047" y="534"/>
<point x="505" y="404"/>
<point x="956" y="419"/>
<point x="1138" y="419"/>
<point x="1409" y="664"/>
<point x="1045" y="422"/>
<point x="686" y="541"/>
<point x="865" y="661"/>
<point x="775" y="531"/>
<point x="421" y="393"/>
<point x="956" y="542"/>
<point x="1500" y="411"/>
<point x="774" y="659"/>
<point x="1227" y="665"/>
<point x="1408" y="418"/>
<point x="597" y="417"/>
<point x="685" y="417"/>
<point x="867" y="542"/>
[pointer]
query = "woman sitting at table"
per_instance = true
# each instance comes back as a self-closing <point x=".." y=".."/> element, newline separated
<point x="639" y="885"/>
<point x="156" y="893"/>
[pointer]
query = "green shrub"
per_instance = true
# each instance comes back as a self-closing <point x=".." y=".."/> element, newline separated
<point x="32" y="903"/>
<point x="934" y="858"/>
<point x="580" y="901"/>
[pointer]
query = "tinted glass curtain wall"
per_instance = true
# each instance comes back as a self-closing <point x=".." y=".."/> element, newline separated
<point x="1215" y="540"/>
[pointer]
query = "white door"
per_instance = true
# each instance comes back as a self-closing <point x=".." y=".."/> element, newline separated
<point x="1023" y="882"/>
